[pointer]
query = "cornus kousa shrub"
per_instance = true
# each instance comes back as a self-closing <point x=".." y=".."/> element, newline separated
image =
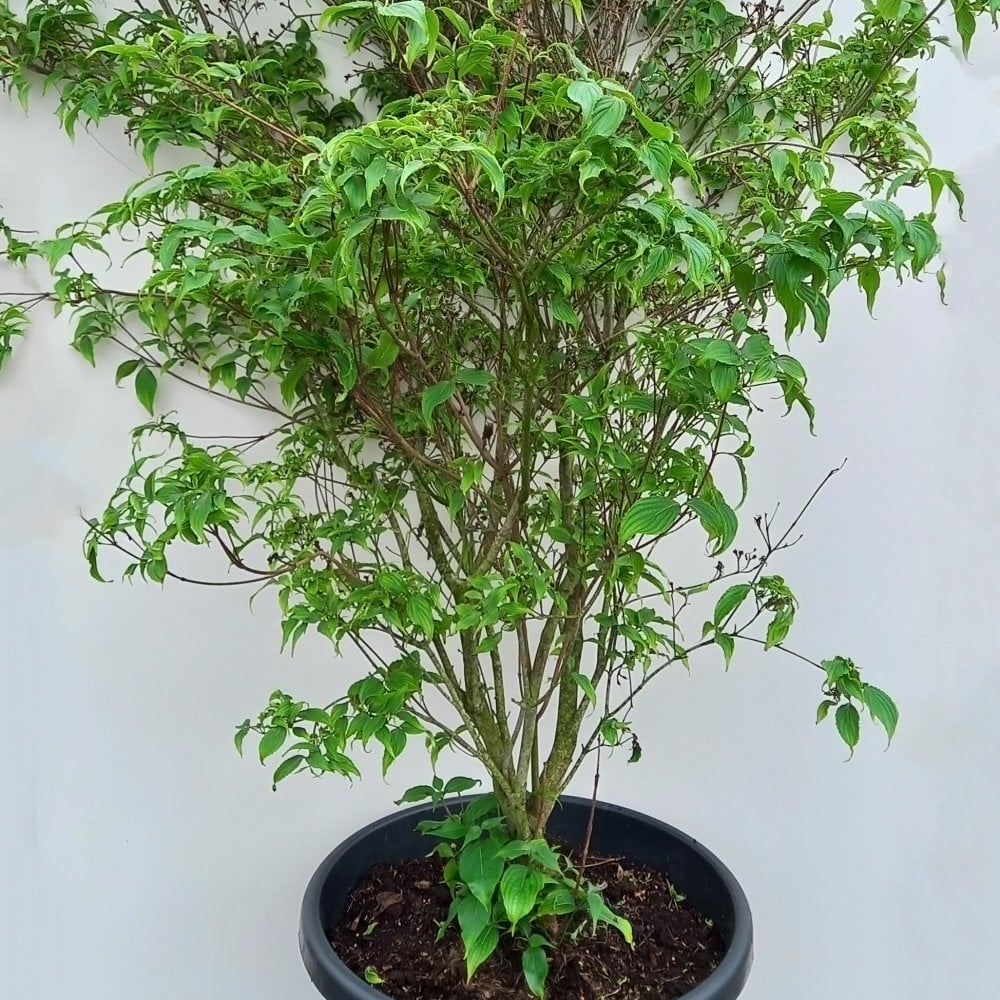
<point x="510" y="328"/>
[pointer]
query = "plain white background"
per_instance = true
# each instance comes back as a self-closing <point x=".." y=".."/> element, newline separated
<point x="143" y="859"/>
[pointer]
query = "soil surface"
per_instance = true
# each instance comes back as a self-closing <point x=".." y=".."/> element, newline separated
<point x="391" y="921"/>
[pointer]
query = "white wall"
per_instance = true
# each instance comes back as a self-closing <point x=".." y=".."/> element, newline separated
<point x="143" y="859"/>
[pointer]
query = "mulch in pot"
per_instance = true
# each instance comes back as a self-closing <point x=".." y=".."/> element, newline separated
<point x="390" y="929"/>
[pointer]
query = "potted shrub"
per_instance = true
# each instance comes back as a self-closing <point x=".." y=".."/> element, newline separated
<point x="510" y="332"/>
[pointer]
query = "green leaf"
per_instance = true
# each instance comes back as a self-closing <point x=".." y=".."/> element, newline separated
<point x="418" y="793"/>
<point x="852" y="686"/>
<point x="475" y="376"/>
<point x="241" y="735"/>
<point x="702" y="89"/>
<point x="393" y="744"/>
<point x="924" y="241"/>
<point x="433" y="27"/>
<point x="720" y="351"/>
<point x="778" y="629"/>
<point x="657" y="261"/>
<point x="271" y="742"/>
<point x="882" y="708"/>
<point x="724" y="380"/>
<point x="699" y="259"/>
<point x="838" y="202"/>
<point x="600" y="912"/>
<point x="473" y="917"/>
<point x="317" y="715"/>
<point x="125" y="369"/>
<point x="965" y="23"/>
<point x="587" y="686"/>
<point x="941" y="276"/>
<point x="535" y="966"/>
<point x="340" y="763"/>
<point x="490" y="642"/>
<point x="819" y="308"/>
<point x="85" y="346"/>
<point x="891" y="10"/>
<point x="779" y="162"/>
<point x="557" y="901"/>
<point x="287" y="767"/>
<point x="938" y="180"/>
<point x="836" y="668"/>
<point x="658" y="130"/>
<point x="848" y="725"/>
<point x="479" y="948"/>
<point x="250" y="235"/>
<point x="291" y="380"/>
<point x="483" y="808"/>
<point x="451" y="828"/>
<point x="457" y="21"/>
<point x="374" y="175"/>
<point x="586" y="94"/>
<point x="169" y="246"/>
<point x="657" y="156"/>
<point x="459" y="784"/>
<point x="383" y="354"/>
<point x="489" y="163"/>
<point x="519" y="889"/>
<point x="888" y="213"/>
<point x="433" y="397"/>
<point x="420" y="613"/>
<point x="649" y="516"/>
<point x="727" y="644"/>
<point x="372" y="976"/>
<point x="824" y="710"/>
<point x="480" y="868"/>
<point x="563" y="311"/>
<point x="415" y="14"/>
<point x="605" y="117"/>
<point x="719" y="521"/>
<point x="539" y="851"/>
<point x="730" y="601"/>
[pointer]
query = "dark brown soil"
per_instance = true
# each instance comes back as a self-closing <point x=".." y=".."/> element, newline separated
<point x="391" y="923"/>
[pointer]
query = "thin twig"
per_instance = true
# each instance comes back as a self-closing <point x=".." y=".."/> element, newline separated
<point x="585" y="850"/>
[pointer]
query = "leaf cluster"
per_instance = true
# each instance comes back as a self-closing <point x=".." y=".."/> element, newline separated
<point x="502" y="885"/>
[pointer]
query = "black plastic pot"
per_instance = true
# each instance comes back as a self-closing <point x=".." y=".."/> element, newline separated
<point x="696" y="872"/>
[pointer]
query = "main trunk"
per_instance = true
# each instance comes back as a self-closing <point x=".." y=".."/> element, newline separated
<point x="525" y="812"/>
